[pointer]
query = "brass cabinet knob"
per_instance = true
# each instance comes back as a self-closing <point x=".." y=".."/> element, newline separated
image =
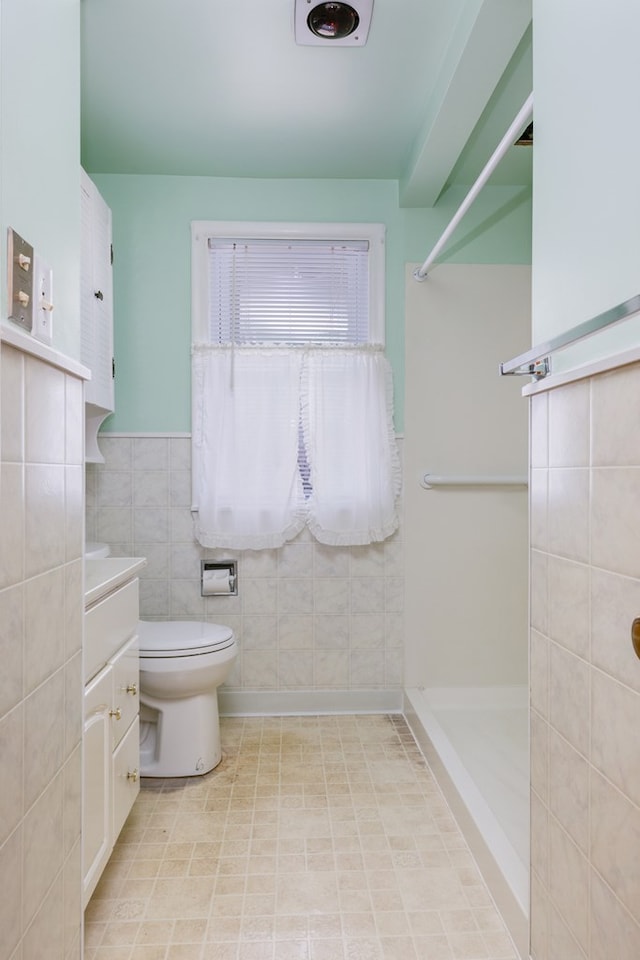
<point x="133" y="775"/>
<point x="116" y="714"/>
<point x="132" y="688"/>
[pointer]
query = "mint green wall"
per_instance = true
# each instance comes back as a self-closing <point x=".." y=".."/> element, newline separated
<point x="586" y="235"/>
<point x="152" y="280"/>
<point x="40" y="148"/>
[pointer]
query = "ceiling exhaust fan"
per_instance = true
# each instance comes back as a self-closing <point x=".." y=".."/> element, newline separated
<point x="332" y="24"/>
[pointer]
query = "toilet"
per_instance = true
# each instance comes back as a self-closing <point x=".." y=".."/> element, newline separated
<point x="182" y="664"/>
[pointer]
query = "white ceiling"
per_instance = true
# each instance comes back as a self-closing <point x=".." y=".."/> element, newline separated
<point x="220" y="88"/>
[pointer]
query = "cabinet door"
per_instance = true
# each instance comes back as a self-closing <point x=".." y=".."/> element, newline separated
<point x="96" y="297"/>
<point x="126" y="776"/>
<point x="97" y="766"/>
<point x="126" y="705"/>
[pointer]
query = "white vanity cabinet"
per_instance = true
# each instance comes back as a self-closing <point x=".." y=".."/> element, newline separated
<point x="111" y="739"/>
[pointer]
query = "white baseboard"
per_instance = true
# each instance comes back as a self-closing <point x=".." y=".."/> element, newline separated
<point x="276" y="703"/>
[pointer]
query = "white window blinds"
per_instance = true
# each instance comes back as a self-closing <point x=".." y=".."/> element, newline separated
<point x="288" y="291"/>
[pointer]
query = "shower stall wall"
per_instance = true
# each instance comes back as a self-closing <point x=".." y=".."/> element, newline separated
<point x="466" y="554"/>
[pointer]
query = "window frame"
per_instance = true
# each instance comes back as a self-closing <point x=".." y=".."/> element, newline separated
<point x="202" y="230"/>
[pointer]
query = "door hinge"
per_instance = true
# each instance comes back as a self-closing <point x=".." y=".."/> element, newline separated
<point x="111" y="253"/>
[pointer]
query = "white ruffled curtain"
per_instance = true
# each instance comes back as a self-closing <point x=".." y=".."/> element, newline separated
<point x="350" y="442"/>
<point x="248" y="404"/>
<point x="246" y="408"/>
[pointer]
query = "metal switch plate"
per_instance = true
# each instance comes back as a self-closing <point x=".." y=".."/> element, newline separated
<point x="20" y="280"/>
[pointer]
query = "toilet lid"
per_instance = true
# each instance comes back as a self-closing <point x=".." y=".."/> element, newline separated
<point x="181" y="638"/>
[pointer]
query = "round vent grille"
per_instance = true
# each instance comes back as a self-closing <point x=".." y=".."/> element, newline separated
<point x="334" y="21"/>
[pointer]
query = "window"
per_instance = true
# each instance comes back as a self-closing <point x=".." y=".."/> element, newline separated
<point x="292" y="419"/>
<point x="288" y="291"/>
<point x="288" y="283"/>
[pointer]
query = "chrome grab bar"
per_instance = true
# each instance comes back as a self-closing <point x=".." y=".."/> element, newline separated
<point x="430" y="480"/>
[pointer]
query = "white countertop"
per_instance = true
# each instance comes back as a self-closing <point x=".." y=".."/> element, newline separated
<point x="103" y="575"/>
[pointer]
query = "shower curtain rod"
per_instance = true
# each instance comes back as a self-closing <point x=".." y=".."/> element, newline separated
<point x="520" y="122"/>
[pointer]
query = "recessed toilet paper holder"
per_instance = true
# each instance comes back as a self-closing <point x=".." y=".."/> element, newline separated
<point x="219" y="578"/>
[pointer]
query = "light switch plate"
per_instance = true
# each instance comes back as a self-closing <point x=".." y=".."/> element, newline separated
<point x="42" y="300"/>
<point x="19" y="279"/>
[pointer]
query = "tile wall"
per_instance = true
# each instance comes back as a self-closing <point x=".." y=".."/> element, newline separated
<point x="41" y="522"/>
<point x="308" y="616"/>
<point x="585" y="677"/>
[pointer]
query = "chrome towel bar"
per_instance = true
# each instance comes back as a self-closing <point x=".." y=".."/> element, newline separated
<point x="537" y="362"/>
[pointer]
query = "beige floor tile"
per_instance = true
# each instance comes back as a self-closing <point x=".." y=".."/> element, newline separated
<point x="151" y="952"/>
<point x="316" y="838"/>
<point x="120" y="933"/>
<point x="154" y="932"/>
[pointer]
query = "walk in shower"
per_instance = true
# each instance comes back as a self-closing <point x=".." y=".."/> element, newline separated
<point x="466" y="551"/>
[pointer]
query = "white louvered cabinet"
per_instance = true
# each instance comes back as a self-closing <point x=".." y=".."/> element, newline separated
<point x="96" y="309"/>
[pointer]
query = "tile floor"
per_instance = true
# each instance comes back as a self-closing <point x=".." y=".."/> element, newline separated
<point x="316" y="838"/>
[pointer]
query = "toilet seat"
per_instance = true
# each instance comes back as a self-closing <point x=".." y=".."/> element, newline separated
<point x="181" y="638"/>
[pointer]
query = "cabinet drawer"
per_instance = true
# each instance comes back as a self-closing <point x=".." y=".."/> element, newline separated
<point x="126" y="776"/>
<point x="109" y="624"/>
<point x="126" y="684"/>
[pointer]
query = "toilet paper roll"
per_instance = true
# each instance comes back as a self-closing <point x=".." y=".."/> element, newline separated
<point x="216" y="582"/>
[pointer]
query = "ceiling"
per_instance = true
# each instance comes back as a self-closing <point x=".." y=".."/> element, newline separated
<point x="220" y="88"/>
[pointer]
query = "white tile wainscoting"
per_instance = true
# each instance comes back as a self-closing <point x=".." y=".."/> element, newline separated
<point x="585" y="677"/>
<point x="41" y="517"/>
<point x="310" y="619"/>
